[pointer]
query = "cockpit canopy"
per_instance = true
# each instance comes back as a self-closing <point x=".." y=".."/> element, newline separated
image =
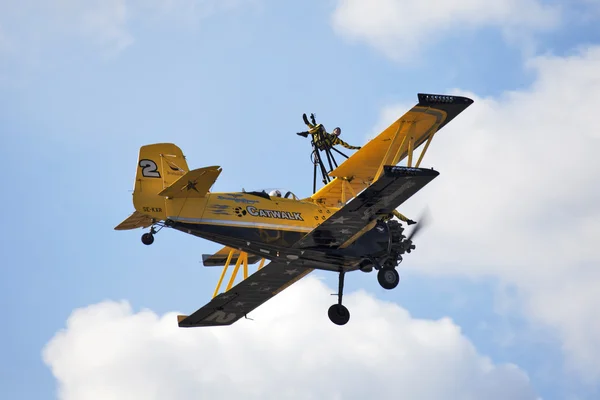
<point x="281" y="192"/>
<point x="274" y="193"/>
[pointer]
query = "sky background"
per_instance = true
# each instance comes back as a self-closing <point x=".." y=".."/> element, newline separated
<point x="498" y="301"/>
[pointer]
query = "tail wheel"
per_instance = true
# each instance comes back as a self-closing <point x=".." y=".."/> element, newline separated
<point x="147" y="238"/>
<point x="388" y="278"/>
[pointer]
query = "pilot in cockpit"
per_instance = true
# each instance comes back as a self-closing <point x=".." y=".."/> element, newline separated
<point x="275" y="193"/>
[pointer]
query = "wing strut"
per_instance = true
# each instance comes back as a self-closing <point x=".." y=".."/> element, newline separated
<point x="387" y="159"/>
<point x="224" y="272"/>
<point x="242" y="260"/>
<point x="425" y="148"/>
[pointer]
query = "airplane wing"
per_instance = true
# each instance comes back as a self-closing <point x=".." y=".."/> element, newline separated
<point x="220" y="257"/>
<point x="230" y="306"/>
<point x="390" y="147"/>
<point x="393" y="188"/>
<point x="135" y="220"/>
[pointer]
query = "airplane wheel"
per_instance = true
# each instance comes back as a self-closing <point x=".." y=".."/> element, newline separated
<point x="388" y="277"/>
<point x="338" y="314"/>
<point x="147" y="238"/>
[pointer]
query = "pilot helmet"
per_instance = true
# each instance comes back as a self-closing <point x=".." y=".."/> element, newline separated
<point x="337" y="131"/>
<point x="275" y="193"/>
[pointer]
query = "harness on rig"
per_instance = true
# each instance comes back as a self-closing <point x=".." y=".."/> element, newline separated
<point x="322" y="142"/>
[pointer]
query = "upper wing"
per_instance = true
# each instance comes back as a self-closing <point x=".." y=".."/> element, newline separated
<point x="228" y="307"/>
<point x="391" y="146"/>
<point x="394" y="187"/>
<point x="220" y="257"/>
<point x="195" y="183"/>
<point x="135" y="220"/>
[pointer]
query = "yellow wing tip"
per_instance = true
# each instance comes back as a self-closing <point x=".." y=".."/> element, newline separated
<point x="181" y="318"/>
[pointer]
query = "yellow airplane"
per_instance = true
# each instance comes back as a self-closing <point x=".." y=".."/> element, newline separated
<point x="345" y="226"/>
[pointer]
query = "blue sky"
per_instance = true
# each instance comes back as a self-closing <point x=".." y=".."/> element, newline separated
<point x="229" y="88"/>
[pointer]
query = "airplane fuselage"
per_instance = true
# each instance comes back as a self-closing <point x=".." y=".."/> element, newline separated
<point x="263" y="225"/>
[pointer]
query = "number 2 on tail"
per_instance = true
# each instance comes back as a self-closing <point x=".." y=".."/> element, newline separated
<point x="149" y="169"/>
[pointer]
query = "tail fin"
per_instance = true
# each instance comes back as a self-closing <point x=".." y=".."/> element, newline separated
<point x="159" y="165"/>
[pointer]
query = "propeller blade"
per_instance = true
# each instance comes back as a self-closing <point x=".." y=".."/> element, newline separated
<point x="422" y="222"/>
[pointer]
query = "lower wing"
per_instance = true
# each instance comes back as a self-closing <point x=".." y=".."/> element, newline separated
<point x="230" y="306"/>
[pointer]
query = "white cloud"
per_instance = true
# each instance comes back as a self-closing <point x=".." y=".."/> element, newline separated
<point x="399" y="28"/>
<point x="290" y="350"/>
<point x="191" y="10"/>
<point x="104" y="24"/>
<point x="101" y="21"/>
<point x="107" y="23"/>
<point x="518" y="198"/>
<point x="33" y="25"/>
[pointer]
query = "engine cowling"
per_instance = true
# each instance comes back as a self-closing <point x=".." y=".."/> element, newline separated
<point x="399" y="244"/>
<point x="386" y="243"/>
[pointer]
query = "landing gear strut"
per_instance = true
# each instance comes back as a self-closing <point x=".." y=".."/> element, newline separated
<point x="148" y="238"/>
<point x="338" y="313"/>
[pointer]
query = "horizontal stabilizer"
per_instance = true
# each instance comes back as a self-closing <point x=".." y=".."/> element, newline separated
<point x="194" y="183"/>
<point x="220" y="258"/>
<point x="135" y="220"/>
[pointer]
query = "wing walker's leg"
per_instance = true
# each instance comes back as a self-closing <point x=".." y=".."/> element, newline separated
<point x="338" y="313"/>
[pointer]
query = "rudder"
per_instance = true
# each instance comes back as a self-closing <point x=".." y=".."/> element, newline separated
<point x="159" y="165"/>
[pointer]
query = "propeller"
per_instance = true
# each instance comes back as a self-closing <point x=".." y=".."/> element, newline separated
<point x="422" y="222"/>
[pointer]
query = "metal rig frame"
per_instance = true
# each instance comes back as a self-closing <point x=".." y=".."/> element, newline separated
<point x="317" y="160"/>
